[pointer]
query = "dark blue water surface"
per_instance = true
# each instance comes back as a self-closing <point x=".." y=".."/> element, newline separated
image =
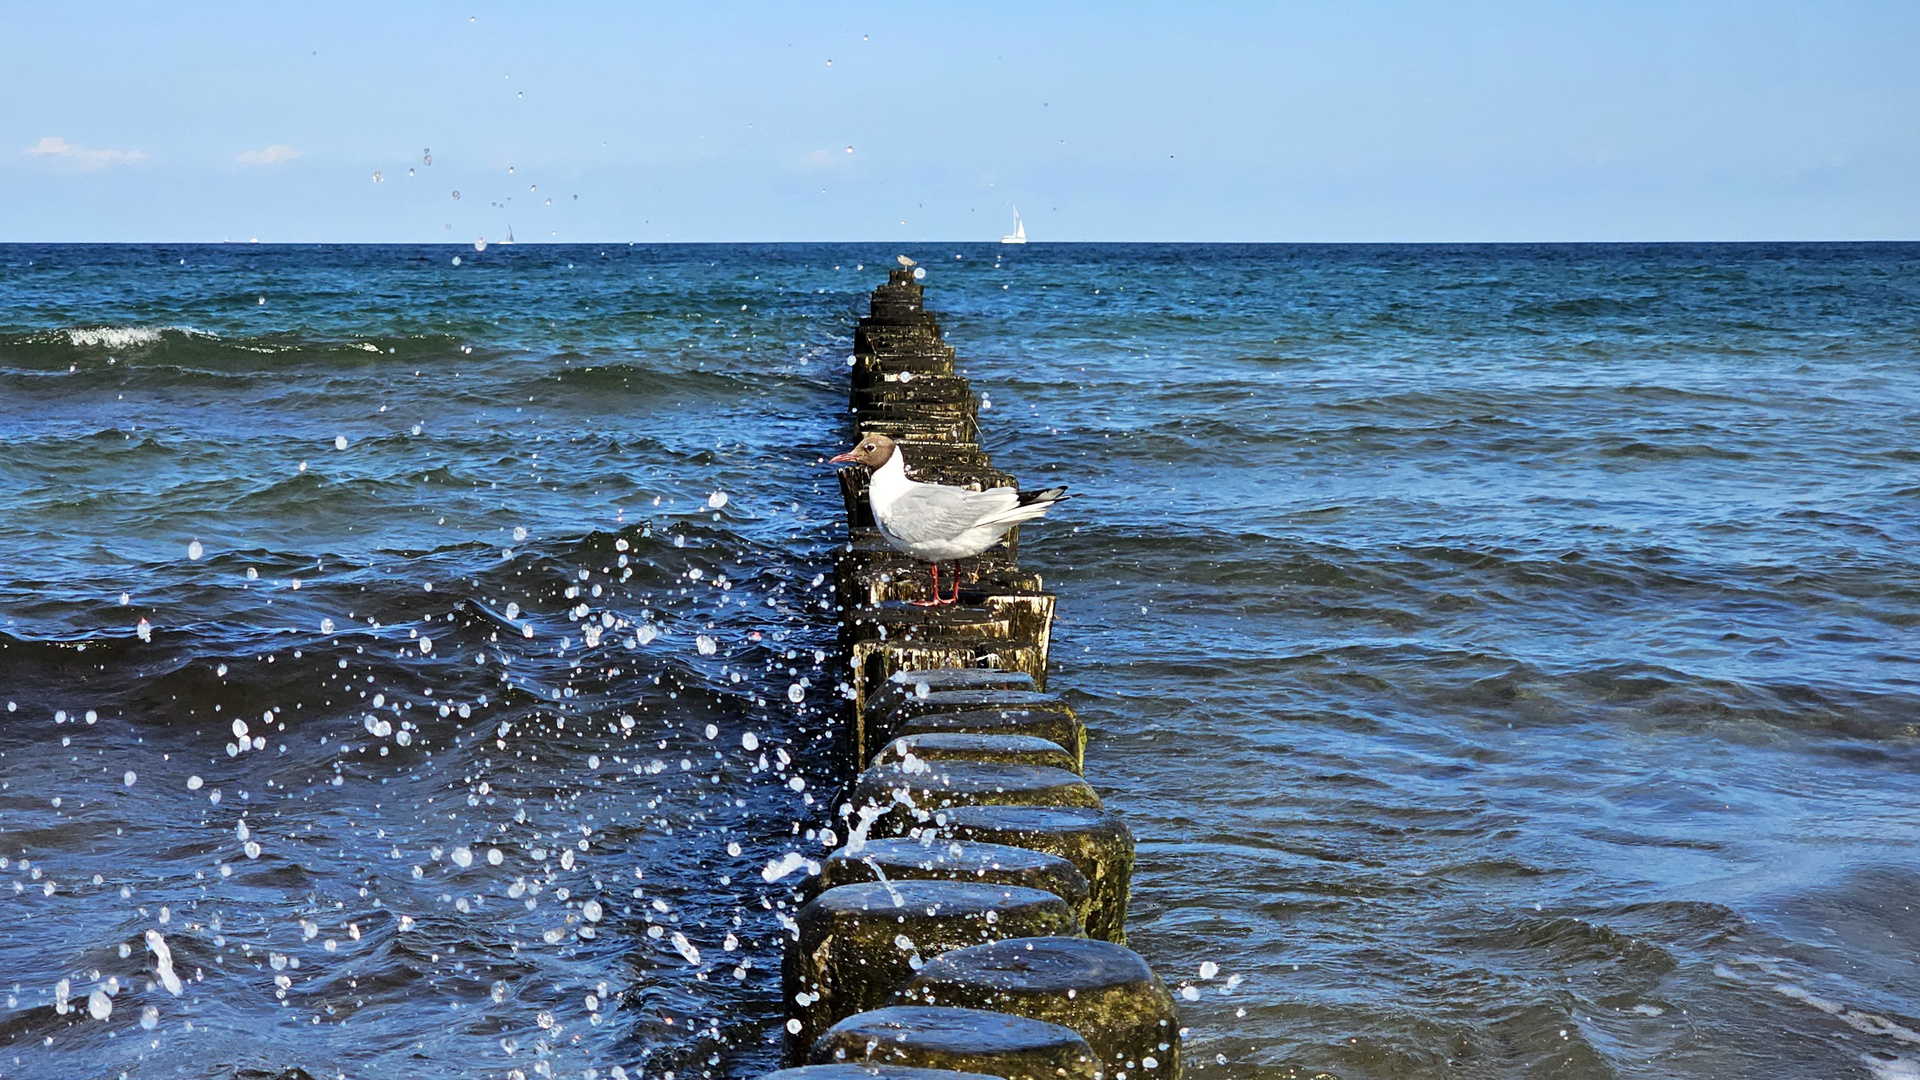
<point x="1505" y="655"/>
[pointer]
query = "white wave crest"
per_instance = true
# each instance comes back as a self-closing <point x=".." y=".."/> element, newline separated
<point x="125" y="337"/>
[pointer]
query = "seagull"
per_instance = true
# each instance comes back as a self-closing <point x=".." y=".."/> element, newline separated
<point x="937" y="522"/>
<point x="904" y="261"/>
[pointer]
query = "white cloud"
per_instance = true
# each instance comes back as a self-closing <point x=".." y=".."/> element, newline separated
<point x="76" y="156"/>
<point x="277" y="154"/>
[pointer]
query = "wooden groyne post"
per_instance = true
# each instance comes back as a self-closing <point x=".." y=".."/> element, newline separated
<point x="975" y="921"/>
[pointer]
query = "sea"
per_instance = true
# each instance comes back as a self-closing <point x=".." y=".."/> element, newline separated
<point x="421" y="661"/>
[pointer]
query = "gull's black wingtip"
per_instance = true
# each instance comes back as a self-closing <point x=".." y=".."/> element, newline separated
<point x="1044" y="495"/>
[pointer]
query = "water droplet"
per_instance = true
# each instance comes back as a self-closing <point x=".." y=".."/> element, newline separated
<point x="462" y="857"/>
<point x="194" y="783"/>
<point x="717" y="500"/>
<point x="195" y="550"/>
<point x="339" y="442"/>
<point x="129" y="778"/>
<point x="163" y="963"/>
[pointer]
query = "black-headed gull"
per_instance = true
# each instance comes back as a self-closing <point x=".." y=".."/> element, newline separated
<point x="936" y="522"/>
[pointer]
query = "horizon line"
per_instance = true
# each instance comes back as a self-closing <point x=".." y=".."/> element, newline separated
<point x="468" y="245"/>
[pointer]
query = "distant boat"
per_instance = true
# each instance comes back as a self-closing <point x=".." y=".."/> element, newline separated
<point x="1019" y="233"/>
<point x="509" y="238"/>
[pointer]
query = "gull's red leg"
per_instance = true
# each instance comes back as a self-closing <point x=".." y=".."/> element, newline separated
<point x="956" y="583"/>
<point x="936" y="601"/>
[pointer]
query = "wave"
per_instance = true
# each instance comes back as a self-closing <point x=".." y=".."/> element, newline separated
<point x="162" y="348"/>
<point x="127" y="337"/>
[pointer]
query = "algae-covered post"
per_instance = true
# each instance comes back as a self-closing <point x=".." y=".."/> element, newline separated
<point x="970" y="825"/>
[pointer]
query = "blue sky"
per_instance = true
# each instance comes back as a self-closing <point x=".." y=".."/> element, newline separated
<point x="1212" y="122"/>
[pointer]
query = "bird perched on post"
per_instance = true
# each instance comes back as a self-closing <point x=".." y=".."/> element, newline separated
<point x="937" y="522"/>
<point x="904" y="261"/>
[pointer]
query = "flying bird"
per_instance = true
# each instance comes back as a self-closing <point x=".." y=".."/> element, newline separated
<point x="937" y="522"/>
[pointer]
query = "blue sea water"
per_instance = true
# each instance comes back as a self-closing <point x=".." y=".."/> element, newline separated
<point x="1504" y="654"/>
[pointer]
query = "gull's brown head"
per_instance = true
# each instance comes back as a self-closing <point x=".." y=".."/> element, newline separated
<point x="873" y="452"/>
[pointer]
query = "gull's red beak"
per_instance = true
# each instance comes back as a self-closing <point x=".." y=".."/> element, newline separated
<point x="843" y="459"/>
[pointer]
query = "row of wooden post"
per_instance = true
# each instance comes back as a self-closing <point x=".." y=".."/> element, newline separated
<point x="974" y="922"/>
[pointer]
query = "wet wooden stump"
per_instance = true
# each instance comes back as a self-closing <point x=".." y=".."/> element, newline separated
<point x="909" y="795"/>
<point x="905" y="684"/>
<point x="1096" y="841"/>
<point x="971" y="699"/>
<point x="1062" y="729"/>
<point x="859" y="943"/>
<point x="1103" y="991"/>
<point x="970" y="746"/>
<point x="903" y="859"/>
<point x="870" y="1071"/>
<point x="968" y="1040"/>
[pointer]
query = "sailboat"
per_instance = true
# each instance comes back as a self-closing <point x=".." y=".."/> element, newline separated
<point x="509" y="238"/>
<point x="1019" y="233"/>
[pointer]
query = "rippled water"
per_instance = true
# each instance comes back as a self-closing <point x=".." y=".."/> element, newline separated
<point x="512" y="572"/>
<point x="1505" y="654"/>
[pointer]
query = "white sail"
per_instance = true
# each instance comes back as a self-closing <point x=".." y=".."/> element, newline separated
<point x="1019" y="233"/>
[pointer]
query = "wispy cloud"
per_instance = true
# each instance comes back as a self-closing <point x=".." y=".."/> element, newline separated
<point x="73" y="155"/>
<point x="277" y="154"/>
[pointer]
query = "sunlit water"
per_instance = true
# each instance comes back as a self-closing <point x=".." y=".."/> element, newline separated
<point x="1504" y="655"/>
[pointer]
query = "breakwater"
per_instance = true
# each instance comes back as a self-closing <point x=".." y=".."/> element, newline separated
<point x="975" y="920"/>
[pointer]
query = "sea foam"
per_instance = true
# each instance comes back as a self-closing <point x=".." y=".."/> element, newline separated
<point x="124" y="337"/>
